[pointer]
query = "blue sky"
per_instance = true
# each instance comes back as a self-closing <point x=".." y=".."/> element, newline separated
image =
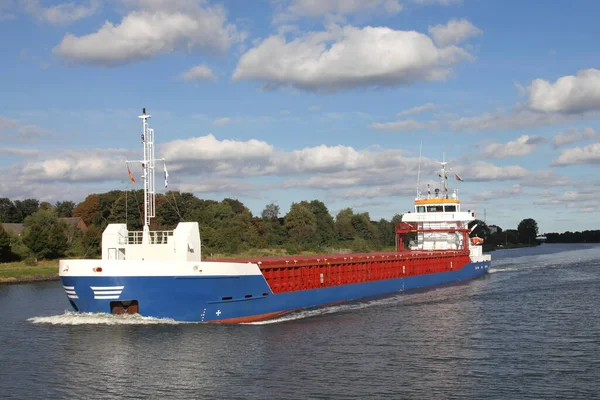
<point x="289" y="100"/>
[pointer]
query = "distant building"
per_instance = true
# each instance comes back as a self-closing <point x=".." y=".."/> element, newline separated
<point x="75" y="222"/>
<point x="15" y="229"/>
<point x="493" y="228"/>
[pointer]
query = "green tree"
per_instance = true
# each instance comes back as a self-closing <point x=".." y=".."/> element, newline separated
<point x="528" y="230"/>
<point x="89" y="210"/>
<point x="46" y="206"/>
<point x="64" y="209"/>
<point x="237" y="206"/>
<point x="386" y="232"/>
<point x="177" y="207"/>
<point x="300" y="223"/>
<point x="343" y="224"/>
<point x="26" y="207"/>
<point x="45" y="235"/>
<point x="8" y="211"/>
<point x="5" y="253"/>
<point x="271" y="212"/>
<point x="325" y="234"/>
<point x="362" y="225"/>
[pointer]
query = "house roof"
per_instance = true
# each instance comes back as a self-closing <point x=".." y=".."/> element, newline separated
<point x="73" y="221"/>
<point x="15" y="229"/>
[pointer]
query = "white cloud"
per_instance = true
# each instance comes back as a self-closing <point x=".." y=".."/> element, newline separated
<point x="152" y="31"/>
<point x="589" y="154"/>
<point x="221" y="121"/>
<point x="224" y="157"/>
<point x="12" y="130"/>
<point x="5" y="10"/>
<point x="545" y="178"/>
<point x="573" y="135"/>
<point x="318" y="8"/>
<point x="507" y="120"/>
<point x="234" y="187"/>
<point x="454" y="32"/>
<point x="505" y="193"/>
<point x="484" y="171"/>
<point x="61" y="13"/>
<point x="8" y="151"/>
<point x="516" y="148"/>
<point x="416" y="110"/>
<point x="75" y="166"/>
<point x="198" y="73"/>
<point x="405" y="125"/>
<point x="569" y="94"/>
<point x="569" y="197"/>
<point x="348" y="57"/>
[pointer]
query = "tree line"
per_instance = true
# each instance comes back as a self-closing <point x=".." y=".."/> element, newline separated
<point x="226" y="227"/>
<point x="592" y="236"/>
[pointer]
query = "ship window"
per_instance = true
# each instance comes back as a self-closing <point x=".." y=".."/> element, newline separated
<point x="435" y="208"/>
<point x="226" y="298"/>
<point x="248" y="296"/>
<point x="420" y="209"/>
<point x="450" y="208"/>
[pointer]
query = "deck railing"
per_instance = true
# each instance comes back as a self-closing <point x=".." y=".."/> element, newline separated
<point x="136" y="237"/>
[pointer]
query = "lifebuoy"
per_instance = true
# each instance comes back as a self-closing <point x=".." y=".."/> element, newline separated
<point x="476" y="240"/>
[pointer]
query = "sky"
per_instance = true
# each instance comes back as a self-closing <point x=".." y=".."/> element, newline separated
<point x="279" y="101"/>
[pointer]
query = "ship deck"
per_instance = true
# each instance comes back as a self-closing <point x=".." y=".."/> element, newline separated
<point x="292" y="273"/>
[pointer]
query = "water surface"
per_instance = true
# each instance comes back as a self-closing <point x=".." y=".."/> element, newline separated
<point x="528" y="330"/>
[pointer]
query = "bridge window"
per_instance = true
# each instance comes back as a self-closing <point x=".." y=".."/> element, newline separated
<point x="420" y="209"/>
<point x="435" y="208"/>
<point x="450" y="208"/>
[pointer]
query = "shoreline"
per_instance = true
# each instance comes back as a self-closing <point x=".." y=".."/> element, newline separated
<point x="28" y="279"/>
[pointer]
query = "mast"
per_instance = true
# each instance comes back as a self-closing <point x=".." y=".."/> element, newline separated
<point x="443" y="179"/>
<point x="148" y="164"/>
<point x="419" y="171"/>
<point x="148" y="174"/>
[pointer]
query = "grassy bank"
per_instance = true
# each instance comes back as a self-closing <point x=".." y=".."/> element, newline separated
<point x="19" y="272"/>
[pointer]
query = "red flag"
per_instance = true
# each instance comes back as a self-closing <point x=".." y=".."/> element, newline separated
<point x="130" y="174"/>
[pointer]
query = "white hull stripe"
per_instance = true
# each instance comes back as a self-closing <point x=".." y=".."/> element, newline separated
<point x="107" y="292"/>
<point x="95" y="288"/>
<point x="70" y="291"/>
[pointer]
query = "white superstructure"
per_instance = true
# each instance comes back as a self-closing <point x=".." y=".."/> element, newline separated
<point x="439" y="222"/>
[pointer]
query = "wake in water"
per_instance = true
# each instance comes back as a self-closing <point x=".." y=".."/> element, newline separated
<point x="325" y="310"/>
<point x="75" y="318"/>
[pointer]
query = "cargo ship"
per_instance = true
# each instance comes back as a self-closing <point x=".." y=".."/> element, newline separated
<point x="161" y="273"/>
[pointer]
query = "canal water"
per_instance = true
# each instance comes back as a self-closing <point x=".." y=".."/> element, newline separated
<point x="528" y="330"/>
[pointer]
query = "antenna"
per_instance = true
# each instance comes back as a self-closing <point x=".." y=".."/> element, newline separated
<point x="419" y="170"/>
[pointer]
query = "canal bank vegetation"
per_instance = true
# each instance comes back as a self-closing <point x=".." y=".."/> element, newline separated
<point x="32" y="232"/>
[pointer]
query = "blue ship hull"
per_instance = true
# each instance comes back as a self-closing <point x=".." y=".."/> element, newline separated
<point x="233" y="299"/>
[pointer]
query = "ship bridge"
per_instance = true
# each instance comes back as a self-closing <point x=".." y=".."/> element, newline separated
<point x="437" y="218"/>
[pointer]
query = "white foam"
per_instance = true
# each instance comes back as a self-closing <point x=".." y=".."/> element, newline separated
<point x="75" y="318"/>
<point x="325" y="310"/>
